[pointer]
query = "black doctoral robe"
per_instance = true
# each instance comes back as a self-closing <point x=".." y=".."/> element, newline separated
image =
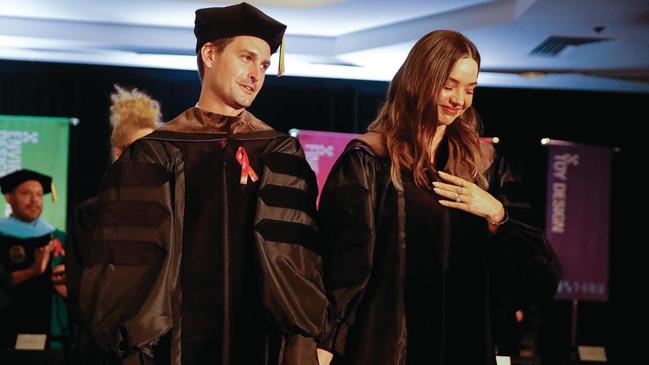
<point x="31" y="307"/>
<point x="189" y="265"/>
<point x="413" y="282"/>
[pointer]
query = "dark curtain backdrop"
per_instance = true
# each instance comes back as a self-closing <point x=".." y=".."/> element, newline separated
<point x="520" y="117"/>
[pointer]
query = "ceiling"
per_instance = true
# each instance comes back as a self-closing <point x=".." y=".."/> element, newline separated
<point x="555" y="44"/>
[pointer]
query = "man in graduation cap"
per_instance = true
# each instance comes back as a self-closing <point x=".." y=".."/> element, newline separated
<point x="31" y="257"/>
<point x="205" y="247"/>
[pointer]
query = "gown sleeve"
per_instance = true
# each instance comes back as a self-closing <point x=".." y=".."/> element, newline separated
<point x="524" y="259"/>
<point x="123" y="256"/>
<point x="346" y="218"/>
<point x="288" y="249"/>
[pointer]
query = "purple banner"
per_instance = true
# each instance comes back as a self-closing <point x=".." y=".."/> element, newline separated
<point x="322" y="150"/>
<point x="577" y="217"/>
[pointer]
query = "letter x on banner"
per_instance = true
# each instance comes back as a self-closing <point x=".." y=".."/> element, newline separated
<point x="322" y="149"/>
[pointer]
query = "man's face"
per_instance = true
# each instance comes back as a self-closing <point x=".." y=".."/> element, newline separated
<point x="26" y="201"/>
<point x="234" y="76"/>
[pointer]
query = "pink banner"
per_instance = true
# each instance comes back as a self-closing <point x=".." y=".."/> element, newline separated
<point x="577" y="217"/>
<point x="322" y="149"/>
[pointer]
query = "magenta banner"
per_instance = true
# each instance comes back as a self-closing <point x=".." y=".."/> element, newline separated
<point x="322" y="150"/>
<point x="577" y="217"/>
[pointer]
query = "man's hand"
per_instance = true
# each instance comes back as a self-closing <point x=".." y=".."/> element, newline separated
<point x="42" y="258"/>
<point x="59" y="281"/>
<point x="58" y="248"/>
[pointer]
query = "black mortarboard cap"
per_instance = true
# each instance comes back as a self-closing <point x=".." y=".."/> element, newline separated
<point x="11" y="181"/>
<point x="241" y="19"/>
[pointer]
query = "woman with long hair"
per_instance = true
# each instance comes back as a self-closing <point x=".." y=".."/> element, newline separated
<point x="422" y="231"/>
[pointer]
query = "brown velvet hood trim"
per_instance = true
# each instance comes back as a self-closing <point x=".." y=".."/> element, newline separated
<point x="196" y="120"/>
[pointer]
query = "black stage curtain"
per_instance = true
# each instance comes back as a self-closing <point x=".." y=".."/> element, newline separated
<point x="520" y="117"/>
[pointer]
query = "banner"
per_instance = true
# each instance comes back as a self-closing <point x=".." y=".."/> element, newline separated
<point x="322" y="149"/>
<point x="577" y="217"/>
<point x="39" y="144"/>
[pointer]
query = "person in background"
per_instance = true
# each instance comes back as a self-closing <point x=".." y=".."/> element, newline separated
<point x="422" y="225"/>
<point x="133" y="115"/>
<point x="205" y="246"/>
<point x="31" y="257"/>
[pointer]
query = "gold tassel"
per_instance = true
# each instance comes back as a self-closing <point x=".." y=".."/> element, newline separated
<point x="53" y="188"/>
<point x="280" y="71"/>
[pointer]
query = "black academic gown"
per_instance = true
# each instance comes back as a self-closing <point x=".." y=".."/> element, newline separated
<point x="413" y="282"/>
<point x="31" y="308"/>
<point x="190" y="264"/>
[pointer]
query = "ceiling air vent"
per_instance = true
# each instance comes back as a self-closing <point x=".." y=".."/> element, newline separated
<point x="553" y="45"/>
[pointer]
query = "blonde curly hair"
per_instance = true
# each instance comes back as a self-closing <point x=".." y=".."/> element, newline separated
<point x="132" y="113"/>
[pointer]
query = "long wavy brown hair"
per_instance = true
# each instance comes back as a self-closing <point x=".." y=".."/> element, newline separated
<point x="408" y="119"/>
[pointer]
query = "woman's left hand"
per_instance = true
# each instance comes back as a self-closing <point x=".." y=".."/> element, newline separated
<point x="324" y="357"/>
<point x="469" y="197"/>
